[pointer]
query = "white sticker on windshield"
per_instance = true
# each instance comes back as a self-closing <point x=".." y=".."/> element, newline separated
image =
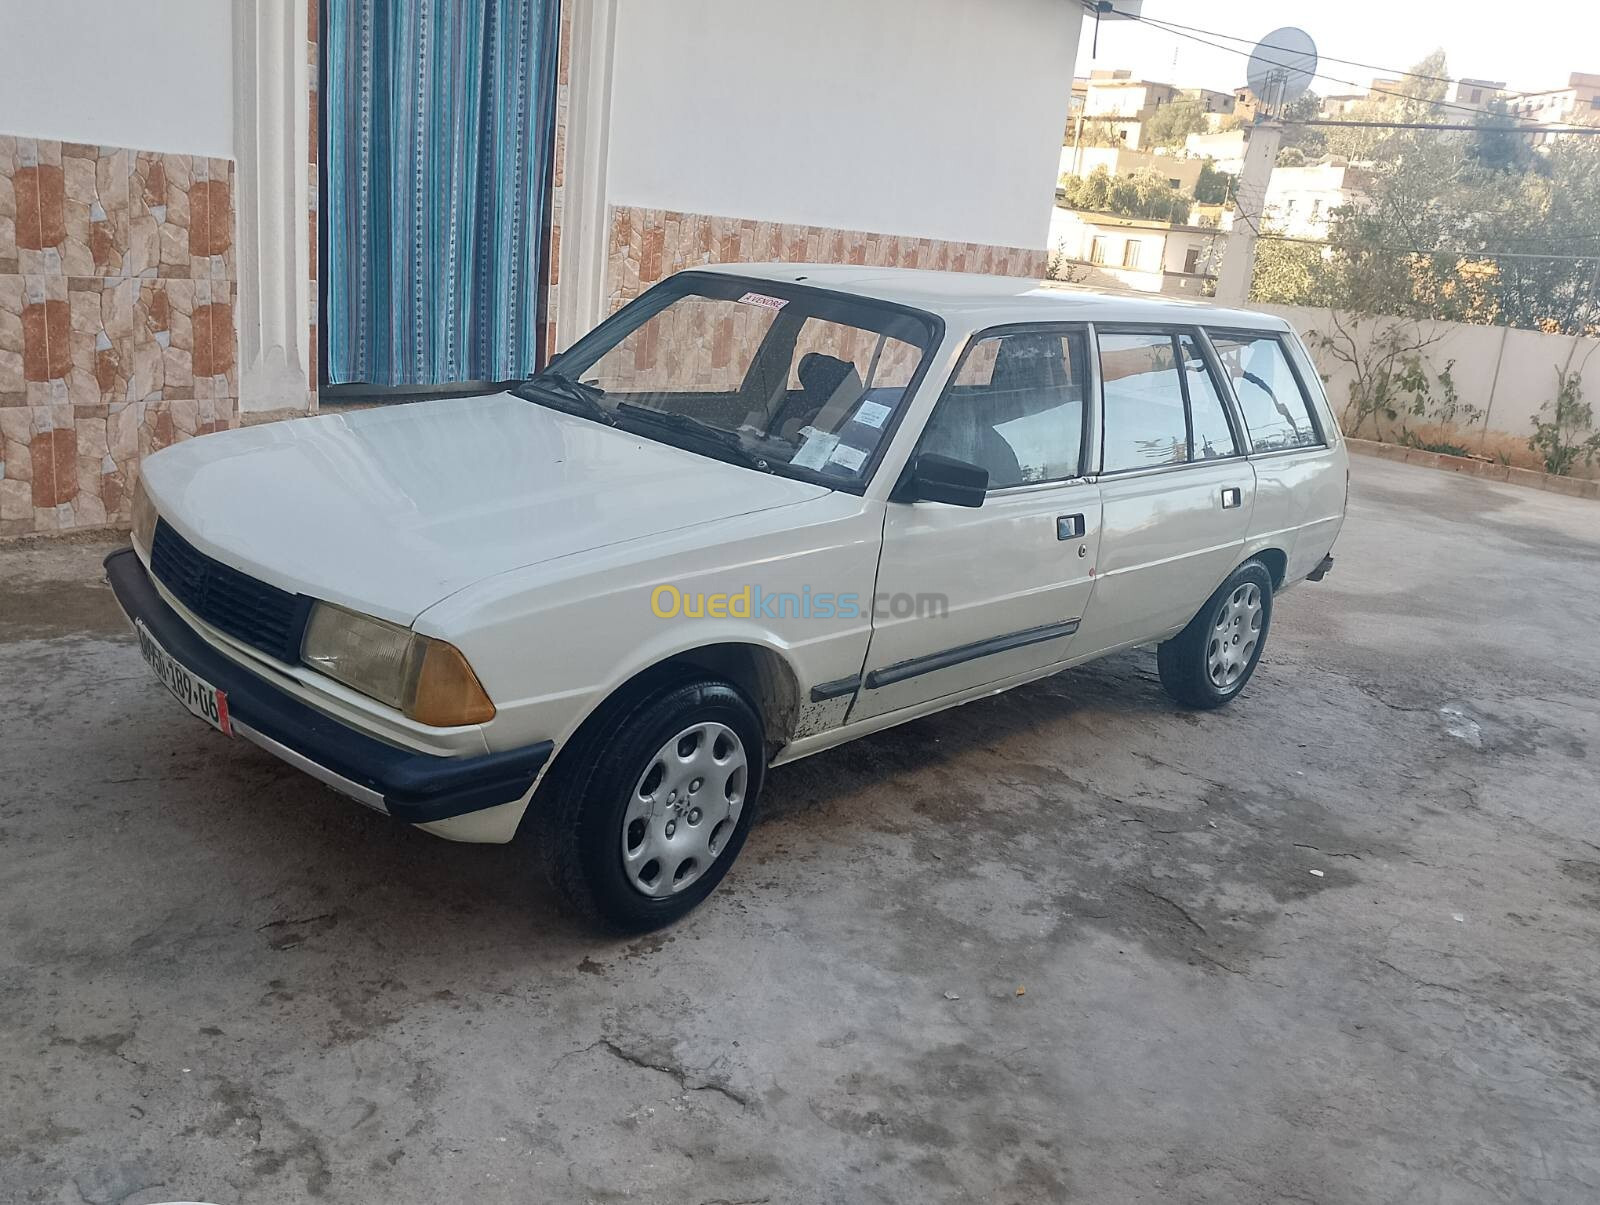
<point x="848" y="457"/>
<point x="814" y="453"/>
<point x="872" y="414"/>
<point x="765" y="302"/>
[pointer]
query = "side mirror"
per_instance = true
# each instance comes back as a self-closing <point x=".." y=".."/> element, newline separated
<point x="935" y="478"/>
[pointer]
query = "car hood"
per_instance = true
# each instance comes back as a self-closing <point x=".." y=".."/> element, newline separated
<point x="390" y="510"/>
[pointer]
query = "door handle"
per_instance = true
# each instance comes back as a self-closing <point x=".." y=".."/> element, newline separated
<point x="1232" y="498"/>
<point x="1070" y="527"/>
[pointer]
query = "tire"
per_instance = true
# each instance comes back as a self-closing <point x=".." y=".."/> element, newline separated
<point x="1208" y="663"/>
<point x="619" y="800"/>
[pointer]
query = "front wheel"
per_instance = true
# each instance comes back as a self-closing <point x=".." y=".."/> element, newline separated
<point x="654" y="803"/>
<point x="1208" y="663"/>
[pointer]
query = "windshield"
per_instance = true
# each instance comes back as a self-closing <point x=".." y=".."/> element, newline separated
<point x="770" y="374"/>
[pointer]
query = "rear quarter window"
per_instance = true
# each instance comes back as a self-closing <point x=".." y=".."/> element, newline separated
<point x="1277" y="413"/>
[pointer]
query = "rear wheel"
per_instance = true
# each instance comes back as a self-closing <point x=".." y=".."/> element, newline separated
<point x="652" y="805"/>
<point x="1208" y="663"/>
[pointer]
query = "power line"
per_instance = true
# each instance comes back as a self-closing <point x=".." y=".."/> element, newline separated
<point x="1181" y="32"/>
<point x="1319" y="242"/>
<point x="1327" y="58"/>
<point x="1440" y="125"/>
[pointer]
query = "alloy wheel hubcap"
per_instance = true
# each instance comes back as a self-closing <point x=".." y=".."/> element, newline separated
<point x="1234" y="635"/>
<point x="683" y="809"/>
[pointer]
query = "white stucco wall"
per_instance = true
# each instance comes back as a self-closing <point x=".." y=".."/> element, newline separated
<point x="1507" y="374"/>
<point x="935" y="118"/>
<point x="148" y="74"/>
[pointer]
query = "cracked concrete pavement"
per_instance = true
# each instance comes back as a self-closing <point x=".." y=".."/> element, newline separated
<point x="1337" y="943"/>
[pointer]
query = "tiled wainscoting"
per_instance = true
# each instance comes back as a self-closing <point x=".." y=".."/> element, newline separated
<point x="117" y="337"/>
<point x="648" y="245"/>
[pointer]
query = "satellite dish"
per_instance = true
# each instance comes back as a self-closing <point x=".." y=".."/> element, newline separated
<point x="1282" y="67"/>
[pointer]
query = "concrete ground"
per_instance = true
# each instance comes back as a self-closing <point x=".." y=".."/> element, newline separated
<point x="1337" y="943"/>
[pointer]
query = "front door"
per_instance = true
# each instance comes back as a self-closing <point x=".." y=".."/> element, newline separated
<point x="1176" y="489"/>
<point x="969" y="596"/>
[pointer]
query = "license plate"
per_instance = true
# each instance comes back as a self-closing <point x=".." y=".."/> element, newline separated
<point x="193" y="691"/>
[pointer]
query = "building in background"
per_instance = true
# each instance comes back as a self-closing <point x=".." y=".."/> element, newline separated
<point x="1182" y="172"/>
<point x="1222" y="104"/>
<point x="1300" y="200"/>
<point x="1225" y="149"/>
<point x="1108" y="251"/>
<point x="1118" y="105"/>
<point x="1340" y="104"/>
<point x="1576" y="104"/>
<point x="1478" y="93"/>
<point x="164" y="240"/>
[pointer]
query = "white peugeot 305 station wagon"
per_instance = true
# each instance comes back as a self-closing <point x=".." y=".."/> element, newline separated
<point x="760" y="511"/>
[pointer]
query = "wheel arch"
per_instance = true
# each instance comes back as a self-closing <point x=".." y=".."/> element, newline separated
<point x="762" y="673"/>
<point x="1276" y="561"/>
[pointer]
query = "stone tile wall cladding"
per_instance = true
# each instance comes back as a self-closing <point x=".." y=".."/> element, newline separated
<point x="648" y="245"/>
<point x="117" y="337"/>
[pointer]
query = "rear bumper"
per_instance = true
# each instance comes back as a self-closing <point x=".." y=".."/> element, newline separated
<point x="414" y="787"/>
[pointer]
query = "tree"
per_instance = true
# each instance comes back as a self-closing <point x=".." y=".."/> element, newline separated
<point x="1097" y="131"/>
<point x="1384" y="362"/>
<point x="1289" y="274"/>
<point x="1440" y="234"/>
<point x="1291" y="156"/>
<point x="1568" y="436"/>
<point x="1413" y="99"/>
<point x="1213" y="187"/>
<point x="1172" y="123"/>
<point x="1310" y="141"/>
<point x="1145" y="194"/>
<point x="1495" y="145"/>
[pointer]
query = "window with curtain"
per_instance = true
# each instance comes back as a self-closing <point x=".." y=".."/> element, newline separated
<point x="438" y="130"/>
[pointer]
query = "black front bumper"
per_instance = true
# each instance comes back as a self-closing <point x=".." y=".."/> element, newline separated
<point x="415" y="787"/>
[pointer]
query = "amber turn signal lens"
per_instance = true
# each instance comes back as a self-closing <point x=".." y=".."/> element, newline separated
<point x="447" y="692"/>
<point x="144" y="518"/>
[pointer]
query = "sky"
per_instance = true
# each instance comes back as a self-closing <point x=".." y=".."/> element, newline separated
<point x="1531" y="45"/>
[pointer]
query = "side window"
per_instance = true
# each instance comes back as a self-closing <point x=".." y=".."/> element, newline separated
<point x="1276" y="413"/>
<point x="1015" y="408"/>
<point x="1213" y="437"/>
<point x="1144" y="420"/>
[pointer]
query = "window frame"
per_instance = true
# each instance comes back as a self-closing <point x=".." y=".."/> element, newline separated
<point x="1175" y="331"/>
<point x="1089" y="429"/>
<point x="1306" y="396"/>
<point x="662" y="294"/>
<point x="1131" y="252"/>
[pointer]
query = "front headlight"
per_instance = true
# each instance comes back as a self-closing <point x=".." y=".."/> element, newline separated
<point x="427" y="679"/>
<point x="144" y="518"/>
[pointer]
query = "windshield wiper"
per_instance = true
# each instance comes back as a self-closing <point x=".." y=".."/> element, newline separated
<point x="585" y="399"/>
<point x="712" y="439"/>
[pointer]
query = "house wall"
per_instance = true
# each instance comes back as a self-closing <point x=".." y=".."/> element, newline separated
<point x="925" y="130"/>
<point x="1226" y="149"/>
<point x="1300" y="201"/>
<point x="117" y="260"/>
<point x="1120" y="161"/>
<point x="1506" y="374"/>
<point x="151" y="74"/>
<point x="1072" y="236"/>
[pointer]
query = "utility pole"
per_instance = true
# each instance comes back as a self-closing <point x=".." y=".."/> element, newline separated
<point x="1239" y="256"/>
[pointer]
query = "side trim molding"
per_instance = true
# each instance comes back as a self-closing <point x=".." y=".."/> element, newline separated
<point x="917" y="666"/>
<point x="839" y="687"/>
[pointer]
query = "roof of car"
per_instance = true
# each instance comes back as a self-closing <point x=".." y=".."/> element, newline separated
<point x="976" y="300"/>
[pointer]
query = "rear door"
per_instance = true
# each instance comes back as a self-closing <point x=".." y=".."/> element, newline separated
<point x="1176" y="488"/>
<point x="968" y="596"/>
<point x="1300" y="482"/>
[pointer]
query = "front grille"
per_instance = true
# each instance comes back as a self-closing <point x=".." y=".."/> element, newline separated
<point x="262" y="616"/>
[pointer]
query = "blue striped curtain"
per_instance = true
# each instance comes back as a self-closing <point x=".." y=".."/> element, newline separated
<point x="438" y="144"/>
